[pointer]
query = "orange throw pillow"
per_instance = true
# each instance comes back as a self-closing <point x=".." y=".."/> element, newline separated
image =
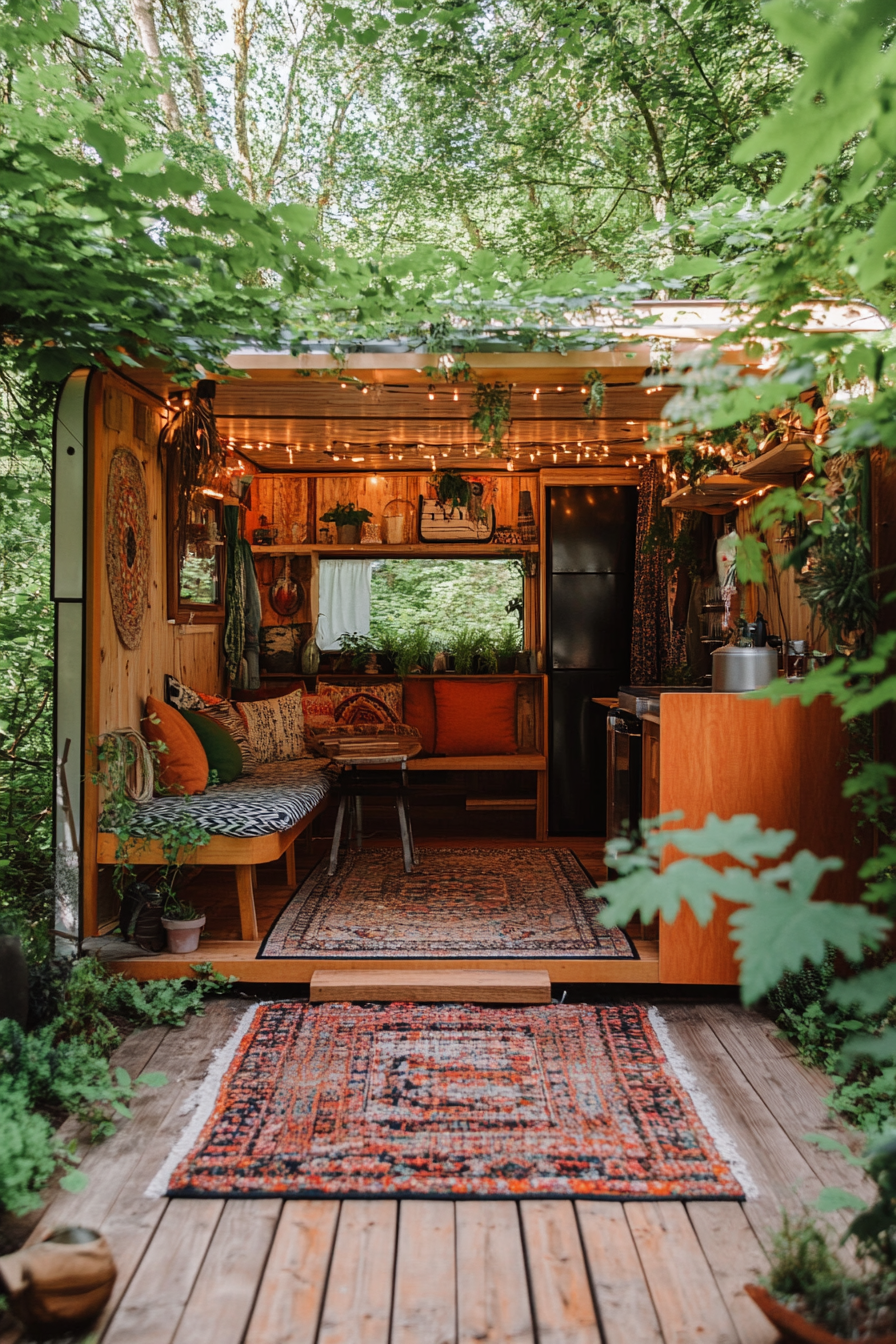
<point x="183" y="768"/>
<point x="475" y="718"/>
<point x="420" y="711"/>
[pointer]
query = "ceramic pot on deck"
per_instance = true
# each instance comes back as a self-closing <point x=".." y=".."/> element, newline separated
<point x="347" y="535"/>
<point x="183" y="934"/>
<point x="61" y="1283"/>
<point x="794" y="1327"/>
<point x="13" y="979"/>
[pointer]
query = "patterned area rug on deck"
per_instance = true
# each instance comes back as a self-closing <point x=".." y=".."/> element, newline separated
<point x="412" y="1099"/>
<point x="499" y="902"/>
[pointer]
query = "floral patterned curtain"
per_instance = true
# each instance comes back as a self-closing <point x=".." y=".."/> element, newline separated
<point x="655" y="646"/>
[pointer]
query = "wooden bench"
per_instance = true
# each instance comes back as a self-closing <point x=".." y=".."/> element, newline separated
<point x="530" y="732"/>
<point x="242" y="853"/>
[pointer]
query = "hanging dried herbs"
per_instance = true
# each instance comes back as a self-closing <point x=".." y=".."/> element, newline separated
<point x="492" y="414"/>
<point x="193" y="453"/>
<point x="597" y="391"/>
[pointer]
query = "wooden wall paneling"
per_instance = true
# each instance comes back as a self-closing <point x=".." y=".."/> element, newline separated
<point x="119" y="679"/>
<point x="726" y="754"/>
<point x="779" y="597"/>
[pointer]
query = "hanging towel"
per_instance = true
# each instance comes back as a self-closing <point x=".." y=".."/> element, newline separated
<point x="252" y="619"/>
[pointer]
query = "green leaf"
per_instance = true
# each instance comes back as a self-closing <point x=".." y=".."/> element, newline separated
<point x="152" y="1079"/>
<point x="108" y="144"/>
<point x="74" y="1182"/>
<point x="832" y="1198"/>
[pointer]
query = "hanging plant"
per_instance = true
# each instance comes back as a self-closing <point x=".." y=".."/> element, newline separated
<point x="451" y="490"/>
<point x="597" y="391"/>
<point x="492" y="414"/>
<point x="193" y="451"/>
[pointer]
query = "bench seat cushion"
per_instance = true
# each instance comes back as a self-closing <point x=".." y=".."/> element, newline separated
<point x="273" y="799"/>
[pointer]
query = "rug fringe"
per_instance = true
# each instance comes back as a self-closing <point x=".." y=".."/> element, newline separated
<point x="201" y="1103"/>
<point x="702" y="1105"/>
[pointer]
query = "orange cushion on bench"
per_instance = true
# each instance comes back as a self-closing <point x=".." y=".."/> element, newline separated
<point x="420" y="711"/>
<point x="475" y="718"/>
<point x="183" y="768"/>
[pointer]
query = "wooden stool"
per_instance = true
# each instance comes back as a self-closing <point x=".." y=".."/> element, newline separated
<point x="360" y="778"/>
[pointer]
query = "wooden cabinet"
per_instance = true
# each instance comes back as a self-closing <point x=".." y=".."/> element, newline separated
<point x="650" y="766"/>
<point x="785" y="763"/>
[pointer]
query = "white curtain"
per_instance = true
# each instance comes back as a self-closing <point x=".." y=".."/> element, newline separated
<point x="344" y="601"/>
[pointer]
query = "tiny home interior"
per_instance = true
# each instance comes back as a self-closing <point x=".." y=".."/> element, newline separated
<point x="548" y="551"/>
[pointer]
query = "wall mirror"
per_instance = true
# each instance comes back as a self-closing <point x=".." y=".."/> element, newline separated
<point x="196" y="561"/>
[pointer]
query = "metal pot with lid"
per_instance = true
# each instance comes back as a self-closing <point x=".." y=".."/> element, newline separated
<point x="737" y="668"/>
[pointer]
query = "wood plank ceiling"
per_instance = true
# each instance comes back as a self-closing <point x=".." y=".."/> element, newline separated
<point x="323" y="423"/>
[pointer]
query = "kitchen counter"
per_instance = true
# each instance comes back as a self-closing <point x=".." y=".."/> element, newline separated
<point x="641" y="700"/>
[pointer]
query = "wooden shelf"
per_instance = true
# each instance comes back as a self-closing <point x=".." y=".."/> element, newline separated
<point x="381" y="551"/>
<point x="784" y="460"/>
<point x="714" y="494"/>
<point x="719" y="493"/>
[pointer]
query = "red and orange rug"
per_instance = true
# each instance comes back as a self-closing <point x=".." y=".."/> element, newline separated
<point x="339" y="1100"/>
<point x="499" y="901"/>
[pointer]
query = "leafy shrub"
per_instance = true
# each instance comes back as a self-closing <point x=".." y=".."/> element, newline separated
<point x="61" y="1068"/>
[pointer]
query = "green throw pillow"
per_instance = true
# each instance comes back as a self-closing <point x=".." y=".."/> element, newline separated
<point x="222" y="751"/>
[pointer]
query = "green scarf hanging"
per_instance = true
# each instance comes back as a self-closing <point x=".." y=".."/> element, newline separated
<point x="234" y="595"/>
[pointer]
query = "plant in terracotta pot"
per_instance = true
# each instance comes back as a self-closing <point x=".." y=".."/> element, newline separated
<point x="808" y="1294"/>
<point x="347" y="519"/>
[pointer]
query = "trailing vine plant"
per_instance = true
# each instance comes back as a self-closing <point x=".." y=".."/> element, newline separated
<point x="492" y="414"/>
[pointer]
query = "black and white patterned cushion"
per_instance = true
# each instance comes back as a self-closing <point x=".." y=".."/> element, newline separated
<point x="273" y="799"/>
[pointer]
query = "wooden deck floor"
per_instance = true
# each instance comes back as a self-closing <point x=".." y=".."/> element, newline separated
<point x="442" y="1272"/>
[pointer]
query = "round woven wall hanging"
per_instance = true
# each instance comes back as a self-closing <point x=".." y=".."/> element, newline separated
<point x="127" y="546"/>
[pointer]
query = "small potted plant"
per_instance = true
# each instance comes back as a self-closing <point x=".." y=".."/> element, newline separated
<point x="809" y="1295"/>
<point x="347" y="519"/>
<point x="182" y="923"/>
<point x="507" y="646"/>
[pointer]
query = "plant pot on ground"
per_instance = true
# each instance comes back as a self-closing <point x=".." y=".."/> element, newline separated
<point x="183" y="925"/>
<point x="809" y="1294"/>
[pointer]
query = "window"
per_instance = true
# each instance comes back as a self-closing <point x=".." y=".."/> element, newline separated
<point x="442" y="595"/>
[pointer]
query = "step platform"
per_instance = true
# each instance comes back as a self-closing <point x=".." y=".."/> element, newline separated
<point x="430" y="986"/>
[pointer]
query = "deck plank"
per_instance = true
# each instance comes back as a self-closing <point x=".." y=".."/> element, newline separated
<point x="288" y="1307"/>
<point x="793" y="1093"/>
<point x="358" y="1300"/>
<point x="561" y="1292"/>
<point x="151" y="1309"/>
<point x="224" y="1293"/>
<point x="777" y="1165"/>
<point x="687" y="1300"/>
<point x="624" y="1305"/>
<point x="492" y="1297"/>
<point x="424" y="1307"/>
<point x="735" y="1257"/>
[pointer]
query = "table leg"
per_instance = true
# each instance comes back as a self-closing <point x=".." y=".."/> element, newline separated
<point x="337" y="836"/>
<point x="291" y="877"/>
<point x="407" y="847"/>
<point x="359" y="822"/>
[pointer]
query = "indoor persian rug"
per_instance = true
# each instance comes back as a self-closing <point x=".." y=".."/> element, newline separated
<point x="413" y="1099"/>
<point x="499" y="902"/>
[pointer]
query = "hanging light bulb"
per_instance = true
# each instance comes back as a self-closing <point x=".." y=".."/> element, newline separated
<point x="432" y="395"/>
<point x="455" y="394"/>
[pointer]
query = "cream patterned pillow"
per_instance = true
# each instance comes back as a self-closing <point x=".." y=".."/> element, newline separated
<point x="276" y="727"/>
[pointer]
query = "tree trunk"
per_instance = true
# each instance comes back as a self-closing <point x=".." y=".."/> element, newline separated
<point x="145" y="23"/>
<point x="195" y="73"/>
<point x="242" y="38"/>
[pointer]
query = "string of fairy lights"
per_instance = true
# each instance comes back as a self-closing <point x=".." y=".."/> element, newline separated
<point x="516" y="455"/>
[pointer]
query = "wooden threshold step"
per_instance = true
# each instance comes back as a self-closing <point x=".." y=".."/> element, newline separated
<point x="430" y="986"/>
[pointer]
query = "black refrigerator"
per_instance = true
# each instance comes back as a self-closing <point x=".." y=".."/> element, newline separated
<point x="591" y="585"/>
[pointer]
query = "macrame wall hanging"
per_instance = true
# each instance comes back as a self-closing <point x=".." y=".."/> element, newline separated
<point x="127" y="546"/>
